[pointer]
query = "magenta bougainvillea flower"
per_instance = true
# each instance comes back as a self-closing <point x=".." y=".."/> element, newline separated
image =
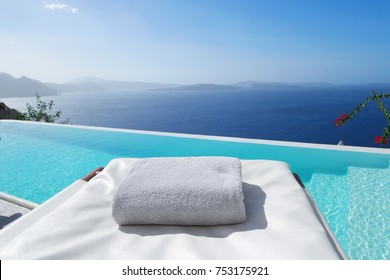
<point x="381" y="140"/>
<point x="341" y="119"/>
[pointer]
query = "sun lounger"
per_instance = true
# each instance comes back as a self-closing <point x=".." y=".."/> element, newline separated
<point x="77" y="224"/>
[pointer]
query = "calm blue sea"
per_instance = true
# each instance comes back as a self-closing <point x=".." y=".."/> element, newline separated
<point x="303" y="114"/>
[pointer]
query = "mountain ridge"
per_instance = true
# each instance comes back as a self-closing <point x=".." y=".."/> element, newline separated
<point x="22" y="87"/>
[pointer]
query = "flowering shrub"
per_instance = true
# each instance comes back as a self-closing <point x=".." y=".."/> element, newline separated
<point x="341" y="120"/>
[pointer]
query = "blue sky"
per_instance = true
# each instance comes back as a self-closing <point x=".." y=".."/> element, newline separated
<point x="197" y="41"/>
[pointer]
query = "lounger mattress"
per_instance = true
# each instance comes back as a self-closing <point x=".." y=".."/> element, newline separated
<point x="281" y="224"/>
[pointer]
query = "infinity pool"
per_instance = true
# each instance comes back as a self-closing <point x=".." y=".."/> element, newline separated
<point x="351" y="186"/>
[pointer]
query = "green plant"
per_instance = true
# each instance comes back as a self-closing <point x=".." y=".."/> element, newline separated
<point x="341" y="120"/>
<point x="42" y="112"/>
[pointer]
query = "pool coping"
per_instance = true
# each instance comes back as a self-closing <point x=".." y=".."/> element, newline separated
<point x="334" y="147"/>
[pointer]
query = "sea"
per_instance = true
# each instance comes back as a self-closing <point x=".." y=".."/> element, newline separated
<point x="297" y="114"/>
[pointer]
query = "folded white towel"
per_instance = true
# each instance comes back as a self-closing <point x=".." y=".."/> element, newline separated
<point x="181" y="191"/>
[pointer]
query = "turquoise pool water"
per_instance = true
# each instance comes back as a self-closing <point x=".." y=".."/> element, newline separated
<point x="352" y="189"/>
<point x="356" y="206"/>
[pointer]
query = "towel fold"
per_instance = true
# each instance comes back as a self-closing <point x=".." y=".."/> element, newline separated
<point x="181" y="191"/>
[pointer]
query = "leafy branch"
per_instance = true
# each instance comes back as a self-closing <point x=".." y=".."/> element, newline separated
<point x="341" y="120"/>
<point x="42" y="112"/>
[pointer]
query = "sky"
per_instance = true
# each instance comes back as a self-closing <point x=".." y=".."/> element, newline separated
<point x="197" y="41"/>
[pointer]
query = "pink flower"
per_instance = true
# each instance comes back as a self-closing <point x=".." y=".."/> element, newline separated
<point x="341" y="119"/>
<point x="381" y="140"/>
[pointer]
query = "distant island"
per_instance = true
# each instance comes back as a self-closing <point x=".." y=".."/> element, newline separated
<point x="255" y="84"/>
<point x="202" y="87"/>
<point x="260" y="85"/>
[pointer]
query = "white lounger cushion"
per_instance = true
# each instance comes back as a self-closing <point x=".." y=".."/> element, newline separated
<point x="281" y="225"/>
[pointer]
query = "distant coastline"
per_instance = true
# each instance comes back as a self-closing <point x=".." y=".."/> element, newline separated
<point x="27" y="87"/>
<point x="201" y="87"/>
